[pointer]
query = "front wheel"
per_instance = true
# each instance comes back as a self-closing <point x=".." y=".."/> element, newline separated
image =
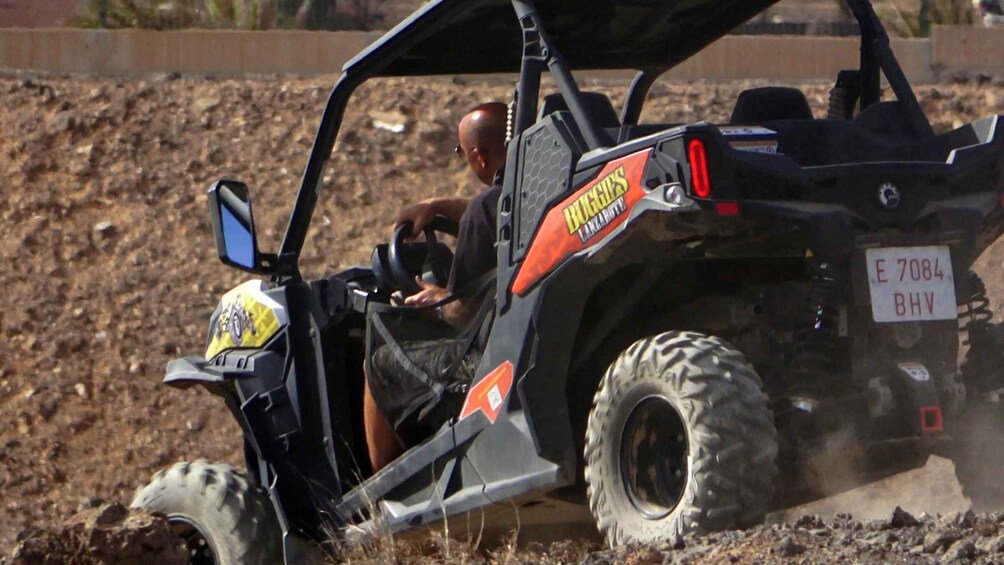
<point x="216" y="514"/>
<point x="679" y="439"/>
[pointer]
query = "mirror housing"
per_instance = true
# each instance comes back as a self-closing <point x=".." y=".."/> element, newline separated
<point x="234" y="230"/>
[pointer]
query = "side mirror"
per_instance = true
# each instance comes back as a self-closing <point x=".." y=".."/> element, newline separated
<point x="233" y="225"/>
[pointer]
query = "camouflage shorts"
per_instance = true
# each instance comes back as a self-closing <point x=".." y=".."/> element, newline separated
<point x="420" y="385"/>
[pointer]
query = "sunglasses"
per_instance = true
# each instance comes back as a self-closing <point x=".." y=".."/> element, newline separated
<point x="460" y="151"/>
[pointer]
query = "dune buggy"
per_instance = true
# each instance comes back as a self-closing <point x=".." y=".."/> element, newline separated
<point x="685" y="318"/>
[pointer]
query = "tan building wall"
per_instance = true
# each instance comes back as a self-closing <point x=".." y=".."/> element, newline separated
<point x="190" y="51"/>
<point x="968" y="49"/>
<point x="302" y="52"/>
<point x="795" y="58"/>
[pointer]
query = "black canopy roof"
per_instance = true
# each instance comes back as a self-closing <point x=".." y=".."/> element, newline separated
<point x="448" y="37"/>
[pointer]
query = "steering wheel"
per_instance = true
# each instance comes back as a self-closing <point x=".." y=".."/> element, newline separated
<point x="438" y="257"/>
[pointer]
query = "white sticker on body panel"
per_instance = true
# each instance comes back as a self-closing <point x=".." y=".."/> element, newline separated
<point x="494" y="397"/>
<point x="916" y="371"/>
<point x="764" y="146"/>
<point x="753" y="139"/>
<point x="745" y="130"/>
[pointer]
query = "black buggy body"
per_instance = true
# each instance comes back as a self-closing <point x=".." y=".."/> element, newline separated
<point x="830" y="259"/>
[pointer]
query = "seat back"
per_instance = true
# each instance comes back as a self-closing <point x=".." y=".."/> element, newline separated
<point x="770" y="103"/>
<point x="597" y="104"/>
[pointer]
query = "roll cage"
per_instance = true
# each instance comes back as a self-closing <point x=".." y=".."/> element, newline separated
<point x="560" y="36"/>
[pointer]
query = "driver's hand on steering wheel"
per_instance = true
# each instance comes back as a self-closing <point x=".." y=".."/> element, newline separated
<point x="429" y="294"/>
<point x="420" y="215"/>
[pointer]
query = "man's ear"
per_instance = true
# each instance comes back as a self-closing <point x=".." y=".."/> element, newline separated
<point x="479" y="158"/>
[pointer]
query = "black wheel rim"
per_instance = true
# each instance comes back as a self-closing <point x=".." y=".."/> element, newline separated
<point x="653" y="455"/>
<point x="194" y="542"/>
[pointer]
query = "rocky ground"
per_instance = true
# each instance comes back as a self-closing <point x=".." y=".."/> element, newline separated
<point x="113" y="535"/>
<point x="900" y="539"/>
<point x="108" y="535"/>
<point x="111" y="269"/>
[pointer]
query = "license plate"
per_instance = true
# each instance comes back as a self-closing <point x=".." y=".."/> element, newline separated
<point x="911" y="284"/>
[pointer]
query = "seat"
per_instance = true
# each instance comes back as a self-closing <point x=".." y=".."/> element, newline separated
<point x="770" y="103"/>
<point x="597" y="104"/>
<point x="887" y="118"/>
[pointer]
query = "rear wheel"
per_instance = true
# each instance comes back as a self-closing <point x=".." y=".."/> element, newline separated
<point x="978" y="428"/>
<point x="215" y="513"/>
<point x="979" y="455"/>
<point x="679" y="439"/>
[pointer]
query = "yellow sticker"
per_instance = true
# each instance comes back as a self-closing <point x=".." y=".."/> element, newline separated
<point x="598" y="206"/>
<point x="248" y="319"/>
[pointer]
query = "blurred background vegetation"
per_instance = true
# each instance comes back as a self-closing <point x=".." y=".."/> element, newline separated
<point x="914" y="18"/>
<point x="236" y="14"/>
<point x="903" y="18"/>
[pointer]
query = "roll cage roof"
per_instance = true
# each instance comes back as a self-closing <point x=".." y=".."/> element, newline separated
<point x="453" y="37"/>
<point x="483" y="36"/>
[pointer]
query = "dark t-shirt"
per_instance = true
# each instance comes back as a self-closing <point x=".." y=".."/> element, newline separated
<point x="476" y="253"/>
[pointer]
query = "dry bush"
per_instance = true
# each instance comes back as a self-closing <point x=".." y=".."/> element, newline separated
<point x="902" y="17"/>
<point x="242" y="14"/>
<point x="383" y="548"/>
<point x="146" y="14"/>
<point x="438" y="549"/>
<point x="177" y="14"/>
<point x="437" y="545"/>
<point x="361" y="14"/>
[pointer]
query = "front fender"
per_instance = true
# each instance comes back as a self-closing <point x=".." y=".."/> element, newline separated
<point x="258" y="370"/>
<point x="187" y="371"/>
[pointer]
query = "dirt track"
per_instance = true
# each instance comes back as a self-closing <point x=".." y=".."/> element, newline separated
<point x="111" y="270"/>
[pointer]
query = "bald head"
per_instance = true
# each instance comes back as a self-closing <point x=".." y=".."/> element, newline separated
<point x="482" y="139"/>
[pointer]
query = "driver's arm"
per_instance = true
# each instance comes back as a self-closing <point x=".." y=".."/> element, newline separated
<point x="455" y="313"/>
<point x="422" y="213"/>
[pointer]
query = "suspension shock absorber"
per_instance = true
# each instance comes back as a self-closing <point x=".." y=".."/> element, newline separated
<point x="844" y="96"/>
<point x="975" y="314"/>
<point x="980" y="366"/>
<point x="816" y="331"/>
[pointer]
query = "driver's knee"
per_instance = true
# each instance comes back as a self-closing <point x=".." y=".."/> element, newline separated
<point x="382" y="443"/>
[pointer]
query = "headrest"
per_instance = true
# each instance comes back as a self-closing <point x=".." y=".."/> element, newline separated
<point x="770" y="103"/>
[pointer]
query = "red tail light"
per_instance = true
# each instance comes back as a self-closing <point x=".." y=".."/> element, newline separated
<point x="700" y="181"/>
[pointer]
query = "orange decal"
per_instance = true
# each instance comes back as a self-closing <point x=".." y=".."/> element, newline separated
<point x="584" y="218"/>
<point x="489" y="393"/>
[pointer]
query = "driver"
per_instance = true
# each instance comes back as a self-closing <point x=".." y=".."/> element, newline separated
<point x="481" y="135"/>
